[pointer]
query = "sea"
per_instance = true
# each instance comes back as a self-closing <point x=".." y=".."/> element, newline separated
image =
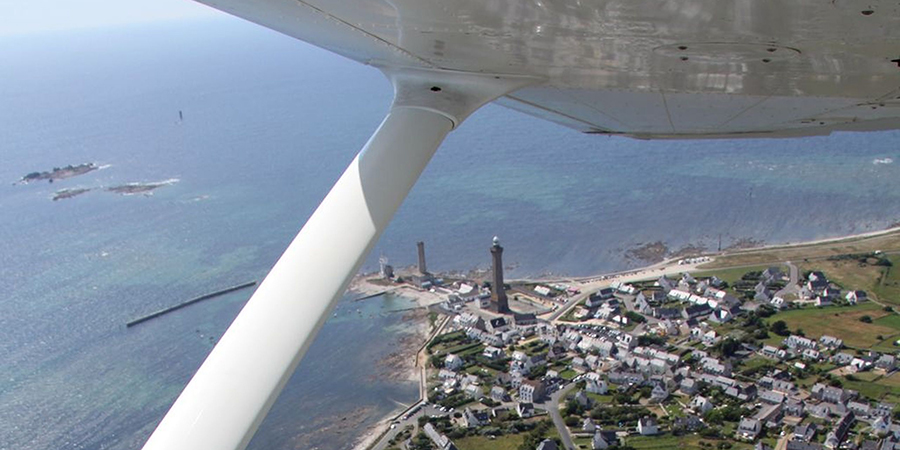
<point x="255" y="127"/>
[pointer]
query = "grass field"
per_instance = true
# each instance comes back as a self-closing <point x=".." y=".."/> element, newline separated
<point x="883" y="388"/>
<point x="732" y="275"/>
<point x="892" y="381"/>
<point x="667" y="441"/>
<point x="841" y="322"/>
<point x="886" y="242"/>
<point x="874" y="390"/>
<point x="582" y="442"/>
<point x="506" y="442"/>
<point x="882" y="283"/>
<point x="598" y="398"/>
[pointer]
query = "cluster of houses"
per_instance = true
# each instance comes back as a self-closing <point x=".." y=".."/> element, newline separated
<point x="829" y="348"/>
<point x="606" y="357"/>
<point x="700" y="300"/>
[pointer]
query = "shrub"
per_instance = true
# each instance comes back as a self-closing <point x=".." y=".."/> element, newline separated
<point x="780" y="328"/>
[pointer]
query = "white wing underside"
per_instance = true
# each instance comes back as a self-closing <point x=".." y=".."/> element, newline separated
<point x="643" y="68"/>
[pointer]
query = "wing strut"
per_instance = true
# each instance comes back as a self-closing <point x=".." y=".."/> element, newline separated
<point x="231" y="393"/>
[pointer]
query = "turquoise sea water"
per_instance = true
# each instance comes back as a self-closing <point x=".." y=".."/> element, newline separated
<point x="269" y="123"/>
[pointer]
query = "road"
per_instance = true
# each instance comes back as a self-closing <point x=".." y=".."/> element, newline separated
<point x="401" y="424"/>
<point x="782" y="443"/>
<point x="793" y="287"/>
<point x="553" y="409"/>
<point x="592" y="284"/>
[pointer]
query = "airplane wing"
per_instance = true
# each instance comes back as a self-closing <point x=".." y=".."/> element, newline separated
<point x="641" y="68"/>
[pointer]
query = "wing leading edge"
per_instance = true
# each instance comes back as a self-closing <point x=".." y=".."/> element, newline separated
<point x="643" y="68"/>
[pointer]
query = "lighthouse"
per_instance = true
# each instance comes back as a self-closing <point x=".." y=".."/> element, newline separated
<point x="498" y="292"/>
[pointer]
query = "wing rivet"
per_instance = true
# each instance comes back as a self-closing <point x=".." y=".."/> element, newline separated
<point x="867" y="12"/>
<point x="766" y="60"/>
<point x="771" y="49"/>
<point x="684" y="58"/>
<point x="682" y="47"/>
<point x="435" y="89"/>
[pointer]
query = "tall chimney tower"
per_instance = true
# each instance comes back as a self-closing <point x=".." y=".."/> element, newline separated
<point x="422" y="269"/>
<point x="498" y="293"/>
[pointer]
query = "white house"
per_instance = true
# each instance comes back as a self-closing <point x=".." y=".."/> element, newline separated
<point x="473" y="391"/>
<point x="603" y="439"/>
<point x="492" y="352"/>
<point x="525" y="410"/>
<point x="701" y="404"/>
<point x="647" y="426"/>
<point x="659" y="393"/>
<point x="853" y="297"/>
<point x="453" y="362"/>
<point x="596" y="387"/>
<point x="748" y="429"/>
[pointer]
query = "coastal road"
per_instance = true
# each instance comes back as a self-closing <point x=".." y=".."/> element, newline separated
<point x="401" y="424"/>
<point x="592" y="284"/>
<point x="421" y="364"/>
<point x="552" y="407"/>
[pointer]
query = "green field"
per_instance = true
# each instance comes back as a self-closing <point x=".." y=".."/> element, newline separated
<point x="873" y="385"/>
<point x="868" y="389"/>
<point x="887" y="242"/>
<point x="667" y="441"/>
<point x="505" y="442"/>
<point x="732" y="275"/>
<point x="882" y="283"/>
<point x="892" y="381"/>
<point x="602" y="399"/>
<point x="842" y="322"/>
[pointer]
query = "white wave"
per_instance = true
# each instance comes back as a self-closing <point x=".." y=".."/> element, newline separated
<point x="877" y="161"/>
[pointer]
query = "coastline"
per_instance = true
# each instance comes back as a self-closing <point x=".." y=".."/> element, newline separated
<point x="402" y="363"/>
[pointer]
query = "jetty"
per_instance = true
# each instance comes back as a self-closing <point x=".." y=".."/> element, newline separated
<point x="366" y="297"/>
<point x="189" y="302"/>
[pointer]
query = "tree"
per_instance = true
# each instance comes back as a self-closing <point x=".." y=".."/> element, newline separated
<point x="780" y="328"/>
<point x="647" y="340"/>
<point x="537" y="371"/>
<point x="728" y="346"/>
<point x="760" y="334"/>
<point x="634" y="317"/>
<point x="421" y="442"/>
<point x="766" y="311"/>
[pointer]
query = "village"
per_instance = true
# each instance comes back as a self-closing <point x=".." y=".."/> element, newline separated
<point x="694" y="360"/>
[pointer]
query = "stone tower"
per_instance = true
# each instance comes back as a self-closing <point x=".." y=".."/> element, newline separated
<point x="498" y="293"/>
<point x="422" y="269"/>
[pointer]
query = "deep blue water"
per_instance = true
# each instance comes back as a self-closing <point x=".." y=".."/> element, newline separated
<point x="269" y="124"/>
